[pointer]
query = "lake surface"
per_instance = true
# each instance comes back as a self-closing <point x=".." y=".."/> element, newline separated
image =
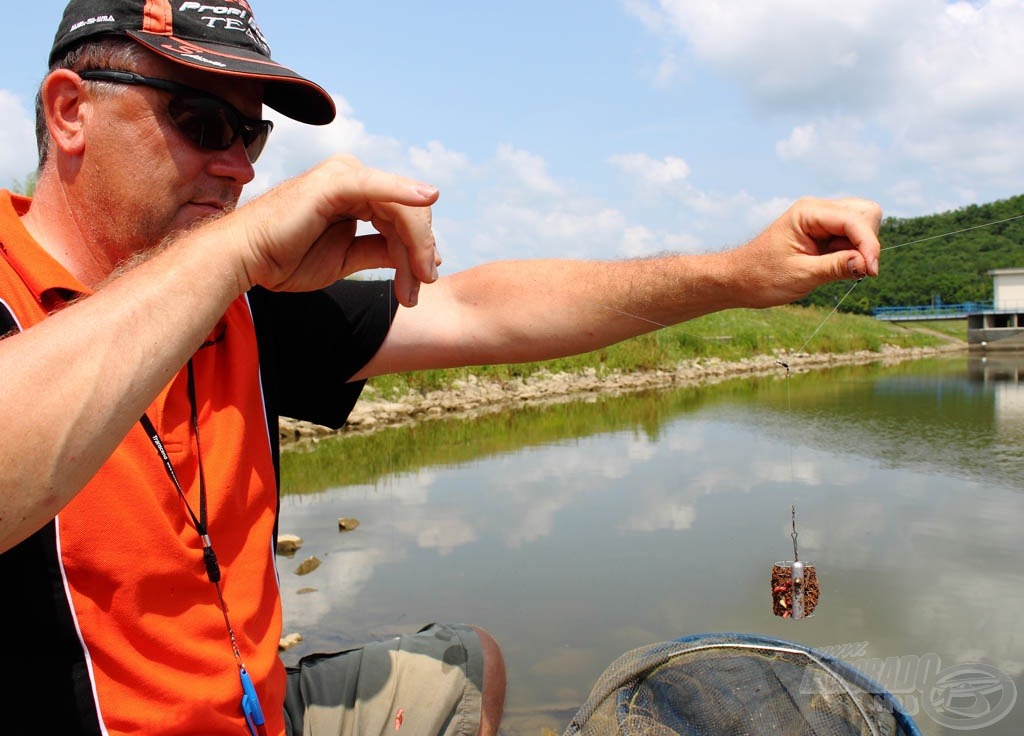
<point x="575" y="533"/>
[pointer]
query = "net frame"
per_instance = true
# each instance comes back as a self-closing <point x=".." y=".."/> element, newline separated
<point x="606" y="711"/>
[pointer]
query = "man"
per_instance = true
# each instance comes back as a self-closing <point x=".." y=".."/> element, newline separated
<point x="140" y="553"/>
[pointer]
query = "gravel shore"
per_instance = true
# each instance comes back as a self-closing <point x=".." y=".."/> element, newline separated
<point x="474" y="397"/>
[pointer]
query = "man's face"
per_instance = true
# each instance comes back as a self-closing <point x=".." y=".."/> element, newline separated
<point x="145" y="177"/>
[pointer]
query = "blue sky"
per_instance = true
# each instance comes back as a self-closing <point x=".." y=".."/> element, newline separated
<point x="612" y="128"/>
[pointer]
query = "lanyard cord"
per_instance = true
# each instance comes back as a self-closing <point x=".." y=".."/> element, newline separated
<point x="200" y="522"/>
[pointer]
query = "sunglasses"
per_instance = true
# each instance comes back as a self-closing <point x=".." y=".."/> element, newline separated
<point x="205" y="119"/>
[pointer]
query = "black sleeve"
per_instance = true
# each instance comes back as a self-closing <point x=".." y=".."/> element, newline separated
<point x="8" y="325"/>
<point x="311" y="343"/>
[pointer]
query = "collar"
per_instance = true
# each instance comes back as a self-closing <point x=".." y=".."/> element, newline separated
<point x="50" y="283"/>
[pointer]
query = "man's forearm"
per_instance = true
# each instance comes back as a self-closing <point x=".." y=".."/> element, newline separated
<point x="74" y="384"/>
<point x="517" y="311"/>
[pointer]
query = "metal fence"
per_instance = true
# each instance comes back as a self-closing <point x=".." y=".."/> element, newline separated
<point x="931" y="311"/>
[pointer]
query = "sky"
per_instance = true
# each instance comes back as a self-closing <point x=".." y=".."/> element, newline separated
<point x="618" y="128"/>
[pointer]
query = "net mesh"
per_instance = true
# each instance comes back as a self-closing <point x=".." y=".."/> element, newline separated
<point x="736" y="684"/>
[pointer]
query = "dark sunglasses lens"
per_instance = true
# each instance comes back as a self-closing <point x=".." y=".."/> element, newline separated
<point x="211" y="124"/>
<point x="203" y="121"/>
<point x="254" y="136"/>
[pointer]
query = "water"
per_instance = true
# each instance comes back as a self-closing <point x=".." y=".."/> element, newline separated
<point x="578" y="532"/>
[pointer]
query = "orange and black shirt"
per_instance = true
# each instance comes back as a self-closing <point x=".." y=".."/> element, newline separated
<point x="113" y="626"/>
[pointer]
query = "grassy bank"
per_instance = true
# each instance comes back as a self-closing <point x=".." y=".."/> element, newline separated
<point x="730" y="335"/>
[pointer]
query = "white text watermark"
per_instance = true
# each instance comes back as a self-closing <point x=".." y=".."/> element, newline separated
<point x="963" y="697"/>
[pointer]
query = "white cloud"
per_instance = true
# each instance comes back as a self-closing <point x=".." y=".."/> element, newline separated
<point x="337" y="582"/>
<point x="511" y="205"/>
<point x="641" y="448"/>
<point x="908" y="193"/>
<point x="918" y="89"/>
<point x="438" y="164"/>
<point x="520" y="210"/>
<point x="832" y="146"/>
<point x="637" y="241"/>
<point x="668" y="69"/>
<point x="571" y="223"/>
<point x="669" y="170"/>
<point x="668" y="515"/>
<point x="958" y="105"/>
<point x="296" y="147"/>
<point x="444" y="535"/>
<point x="18" y="156"/>
<point x="762" y="213"/>
<point x="569" y="475"/>
<point x="785" y="51"/>
<point x="528" y="169"/>
<point x="717" y="205"/>
<point x="735" y="215"/>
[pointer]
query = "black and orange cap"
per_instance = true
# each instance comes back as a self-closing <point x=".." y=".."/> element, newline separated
<point x="219" y="36"/>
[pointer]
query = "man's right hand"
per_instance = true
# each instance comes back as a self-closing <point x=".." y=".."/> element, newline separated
<point x="301" y="235"/>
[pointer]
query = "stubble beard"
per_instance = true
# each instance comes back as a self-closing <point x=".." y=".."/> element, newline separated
<point x="149" y="246"/>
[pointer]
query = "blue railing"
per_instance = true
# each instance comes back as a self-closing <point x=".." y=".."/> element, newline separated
<point x="931" y="311"/>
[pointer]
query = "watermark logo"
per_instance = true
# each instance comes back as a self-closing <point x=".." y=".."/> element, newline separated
<point x="963" y="697"/>
<point x="969" y="696"/>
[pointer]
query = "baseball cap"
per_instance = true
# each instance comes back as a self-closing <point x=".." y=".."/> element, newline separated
<point x="213" y="35"/>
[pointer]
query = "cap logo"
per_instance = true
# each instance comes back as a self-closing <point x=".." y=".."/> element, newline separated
<point x="236" y="16"/>
<point x="239" y="13"/>
<point x="90" y="21"/>
<point x="192" y="52"/>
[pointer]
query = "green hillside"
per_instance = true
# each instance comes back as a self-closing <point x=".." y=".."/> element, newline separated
<point x="952" y="267"/>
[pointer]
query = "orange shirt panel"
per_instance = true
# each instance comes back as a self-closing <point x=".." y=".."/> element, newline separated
<point x="160" y="657"/>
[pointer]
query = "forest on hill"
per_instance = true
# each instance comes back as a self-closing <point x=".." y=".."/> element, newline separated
<point x="946" y="256"/>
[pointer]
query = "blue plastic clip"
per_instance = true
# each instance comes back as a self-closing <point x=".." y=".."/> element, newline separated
<point x="251" y="706"/>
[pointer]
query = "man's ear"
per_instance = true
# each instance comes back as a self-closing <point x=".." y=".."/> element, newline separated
<point x="65" y="105"/>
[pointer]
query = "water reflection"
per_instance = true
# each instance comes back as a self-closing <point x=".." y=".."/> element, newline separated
<point x="578" y="532"/>
<point x="996" y="368"/>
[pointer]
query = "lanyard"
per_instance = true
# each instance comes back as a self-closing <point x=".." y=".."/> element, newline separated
<point x="250" y="701"/>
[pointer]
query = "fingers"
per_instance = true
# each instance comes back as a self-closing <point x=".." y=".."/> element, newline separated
<point x="407" y="282"/>
<point x="302" y="234"/>
<point x="410" y="241"/>
<point x="399" y="210"/>
<point x="352" y="183"/>
<point x="844" y="225"/>
<point x="816" y="241"/>
<point x="373" y="251"/>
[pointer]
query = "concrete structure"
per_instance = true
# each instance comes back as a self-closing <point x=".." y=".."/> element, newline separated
<point x="1002" y="327"/>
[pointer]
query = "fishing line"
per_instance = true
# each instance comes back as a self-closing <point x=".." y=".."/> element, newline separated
<point x="903" y="245"/>
<point x="852" y="287"/>
<point x="955" y="232"/>
<point x="834" y="310"/>
<point x="794" y="583"/>
<point x="634" y="316"/>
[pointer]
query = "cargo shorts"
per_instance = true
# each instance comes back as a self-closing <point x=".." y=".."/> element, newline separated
<point x="421" y="684"/>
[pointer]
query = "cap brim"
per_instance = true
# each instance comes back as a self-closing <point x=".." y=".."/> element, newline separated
<point x="285" y="90"/>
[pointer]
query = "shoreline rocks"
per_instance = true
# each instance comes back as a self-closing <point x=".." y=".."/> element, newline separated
<point x="474" y="397"/>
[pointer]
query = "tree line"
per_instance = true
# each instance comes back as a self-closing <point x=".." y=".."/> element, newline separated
<point x="945" y="256"/>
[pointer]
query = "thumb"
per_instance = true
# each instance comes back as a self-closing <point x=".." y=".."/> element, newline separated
<point x="844" y="264"/>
